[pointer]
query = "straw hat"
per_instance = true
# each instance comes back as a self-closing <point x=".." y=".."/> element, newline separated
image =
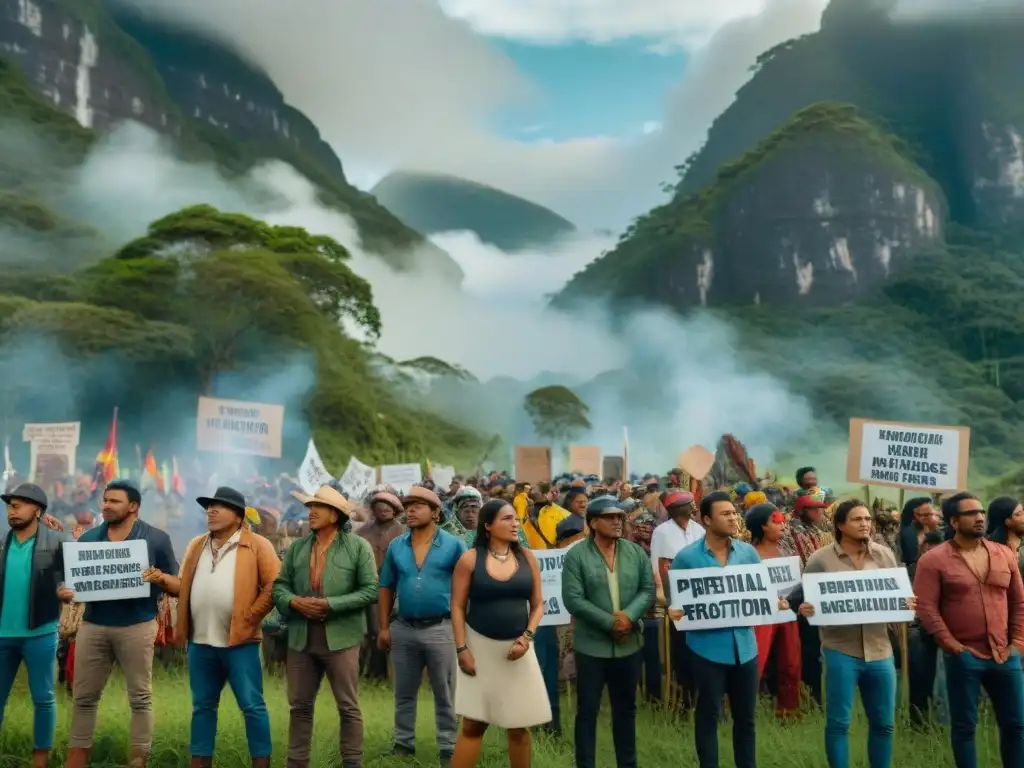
<point x="329" y="497"/>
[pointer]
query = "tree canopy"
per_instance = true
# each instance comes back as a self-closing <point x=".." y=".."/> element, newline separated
<point x="557" y="413"/>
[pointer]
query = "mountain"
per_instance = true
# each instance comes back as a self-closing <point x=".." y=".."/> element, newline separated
<point x="857" y="214"/>
<point x="101" y="64"/>
<point x="431" y="203"/>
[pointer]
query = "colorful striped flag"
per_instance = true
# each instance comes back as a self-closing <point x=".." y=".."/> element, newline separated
<point x="106" y="460"/>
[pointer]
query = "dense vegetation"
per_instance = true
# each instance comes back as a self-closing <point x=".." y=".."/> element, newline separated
<point x="432" y="203"/>
<point x="943" y="340"/>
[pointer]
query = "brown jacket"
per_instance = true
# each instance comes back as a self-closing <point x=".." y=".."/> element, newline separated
<point x="256" y="567"/>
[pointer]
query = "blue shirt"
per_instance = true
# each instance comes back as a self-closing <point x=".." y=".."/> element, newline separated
<point x="17" y="585"/>
<point x="125" y="613"/>
<point x="734" y="645"/>
<point x="423" y="592"/>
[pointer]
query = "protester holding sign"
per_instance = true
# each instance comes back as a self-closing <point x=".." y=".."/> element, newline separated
<point x="118" y="630"/>
<point x="972" y="602"/>
<point x="607" y="586"/>
<point x="858" y="656"/>
<point x="31" y="567"/>
<point x="767" y="525"/>
<point x="725" y="662"/>
<point x="500" y="583"/>
<point x="224" y="593"/>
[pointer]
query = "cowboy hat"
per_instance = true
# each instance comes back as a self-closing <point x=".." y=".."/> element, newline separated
<point x="329" y="497"/>
<point x="229" y="497"/>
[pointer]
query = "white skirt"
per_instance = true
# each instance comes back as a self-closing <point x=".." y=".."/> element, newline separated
<point x="508" y="694"/>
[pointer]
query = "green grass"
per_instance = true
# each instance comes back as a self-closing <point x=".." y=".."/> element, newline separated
<point x="662" y="740"/>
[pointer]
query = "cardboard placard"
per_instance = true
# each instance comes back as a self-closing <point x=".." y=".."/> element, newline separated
<point x="613" y="467"/>
<point x="696" y="461"/>
<point x="533" y="464"/>
<point x="585" y="459"/>
<point x="922" y="457"/>
<point x="238" y="427"/>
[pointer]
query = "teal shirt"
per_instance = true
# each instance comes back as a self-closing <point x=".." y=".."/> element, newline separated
<point x="17" y="578"/>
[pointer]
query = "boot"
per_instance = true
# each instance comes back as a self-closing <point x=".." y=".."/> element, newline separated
<point x="201" y="762"/>
<point x="261" y="762"/>
<point x="138" y="758"/>
<point x="40" y="758"/>
<point x="78" y="757"/>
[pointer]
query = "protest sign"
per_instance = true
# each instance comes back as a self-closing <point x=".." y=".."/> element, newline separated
<point x="358" y="479"/>
<point x="533" y="464"/>
<point x="696" y="461"/>
<point x="402" y="477"/>
<point x="234" y="426"/>
<point x="106" y="570"/>
<point x="611" y="467"/>
<point x="550" y="563"/>
<point x="442" y="475"/>
<point x="858" y="597"/>
<point x="784" y="573"/>
<point x="721" y="597"/>
<point x="312" y="473"/>
<point x="53" y="450"/>
<point x="913" y="456"/>
<point x="585" y="459"/>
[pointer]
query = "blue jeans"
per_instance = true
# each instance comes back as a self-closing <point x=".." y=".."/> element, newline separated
<point x="966" y="674"/>
<point x="546" y="647"/>
<point x="39" y="655"/>
<point x="876" y="680"/>
<point x="241" y="668"/>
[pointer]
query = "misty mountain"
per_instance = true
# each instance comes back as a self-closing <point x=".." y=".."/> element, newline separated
<point x="432" y="203"/>
<point x="859" y="210"/>
<point x="101" y="64"/>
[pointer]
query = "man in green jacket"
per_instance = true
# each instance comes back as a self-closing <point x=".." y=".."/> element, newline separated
<point x="607" y="586"/>
<point x="327" y="579"/>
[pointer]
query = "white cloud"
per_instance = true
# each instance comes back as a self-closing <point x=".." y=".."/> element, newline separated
<point x="397" y="84"/>
<point x="600" y="21"/>
<point x="651" y="126"/>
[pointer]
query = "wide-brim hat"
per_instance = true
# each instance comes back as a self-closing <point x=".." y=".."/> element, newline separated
<point x="29" y="492"/>
<point x="423" y="495"/>
<point x="387" y="498"/>
<point x="329" y="497"/>
<point x="229" y="497"/>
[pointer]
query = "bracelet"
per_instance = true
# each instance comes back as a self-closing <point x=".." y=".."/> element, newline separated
<point x="460" y="649"/>
<point x="528" y="634"/>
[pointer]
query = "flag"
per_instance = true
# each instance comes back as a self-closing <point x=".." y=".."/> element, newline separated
<point x="106" y="460"/>
<point x="165" y="474"/>
<point x="177" y="484"/>
<point x="150" y="470"/>
<point x="430" y="470"/>
<point x="8" y="464"/>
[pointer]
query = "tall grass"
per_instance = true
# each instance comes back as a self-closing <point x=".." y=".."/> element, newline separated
<point x="662" y="739"/>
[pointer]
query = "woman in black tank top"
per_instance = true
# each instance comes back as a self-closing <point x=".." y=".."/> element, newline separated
<point x="496" y="608"/>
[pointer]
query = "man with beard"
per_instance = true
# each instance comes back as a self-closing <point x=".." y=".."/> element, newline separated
<point x="417" y="571"/>
<point x="858" y="657"/>
<point x="607" y="587"/>
<point x="121" y="631"/>
<point x="972" y="602"/>
<point x="382" y="529"/>
<point x="31" y="567"/>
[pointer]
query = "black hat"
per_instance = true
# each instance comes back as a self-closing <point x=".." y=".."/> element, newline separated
<point x="28" y="492"/>
<point x="604" y="505"/>
<point x="229" y="497"/>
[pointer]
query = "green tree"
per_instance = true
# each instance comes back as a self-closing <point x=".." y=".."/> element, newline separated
<point x="557" y="413"/>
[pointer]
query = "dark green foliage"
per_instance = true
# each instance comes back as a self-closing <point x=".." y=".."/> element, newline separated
<point x="431" y="203"/>
<point x="557" y="413"/>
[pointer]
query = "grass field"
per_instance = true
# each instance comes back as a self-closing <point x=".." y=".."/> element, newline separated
<point x="662" y="739"/>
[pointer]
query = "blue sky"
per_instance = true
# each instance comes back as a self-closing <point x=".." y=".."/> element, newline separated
<point x="586" y="89"/>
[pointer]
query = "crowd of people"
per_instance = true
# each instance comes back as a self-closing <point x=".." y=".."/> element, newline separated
<point x="446" y="583"/>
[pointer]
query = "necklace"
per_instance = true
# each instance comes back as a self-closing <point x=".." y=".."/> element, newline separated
<point x="499" y="557"/>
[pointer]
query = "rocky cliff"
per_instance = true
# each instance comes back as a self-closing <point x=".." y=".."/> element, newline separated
<point x="823" y="209"/>
<point x="104" y="67"/>
<point x="432" y="203"/>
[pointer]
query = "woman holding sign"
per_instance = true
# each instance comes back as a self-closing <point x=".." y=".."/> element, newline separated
<point x="500" y="583"/>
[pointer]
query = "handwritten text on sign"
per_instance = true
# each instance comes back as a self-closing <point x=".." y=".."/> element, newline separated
<point x="106" y="571"/>
<point x="234" y="426"/>
<point x="870" y="597"/>
<point x="908" y="455"/>
<point x="717" y="598"/>
<point x="785" y="575"/>
<point x="550" y="563"/>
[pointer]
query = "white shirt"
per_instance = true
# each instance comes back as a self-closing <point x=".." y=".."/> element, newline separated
<point x="669" y="539"/>
<point x="212" y="600"/>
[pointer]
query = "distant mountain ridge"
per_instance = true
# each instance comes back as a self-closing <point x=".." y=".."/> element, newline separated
<point x="433" y="202"/>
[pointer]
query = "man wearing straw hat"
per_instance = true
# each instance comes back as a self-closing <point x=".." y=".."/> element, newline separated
<point x="327" y="579"/>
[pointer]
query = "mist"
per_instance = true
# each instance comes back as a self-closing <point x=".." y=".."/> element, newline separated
<point x="672" y="381"/>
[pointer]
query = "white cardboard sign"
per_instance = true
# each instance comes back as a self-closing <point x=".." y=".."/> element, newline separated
<point x="859" y="597"/>
<point x="100" y="571"/>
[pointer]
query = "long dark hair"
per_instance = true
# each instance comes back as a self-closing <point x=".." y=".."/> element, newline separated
<point x="999" y="511"/>
<point x="488" y="514"/>
<point x="842" y="512"/>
